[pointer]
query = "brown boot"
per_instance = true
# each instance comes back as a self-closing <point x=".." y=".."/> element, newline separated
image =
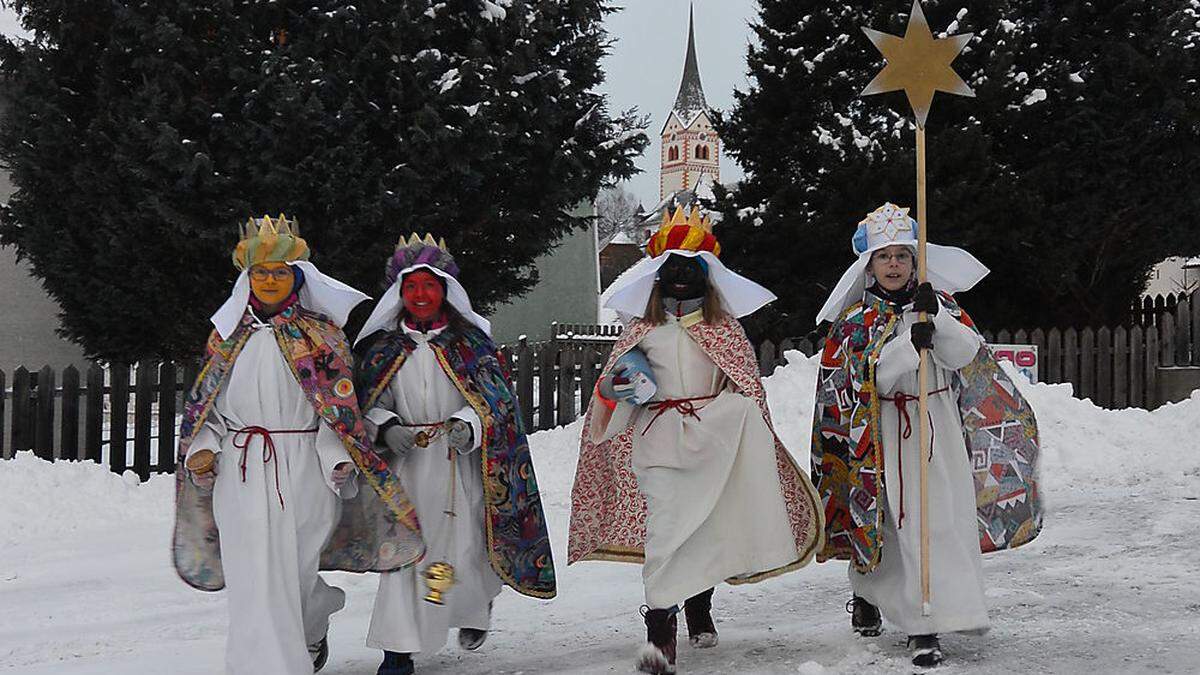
<point x="657" y="656"/>
<point x="702" y="632"/>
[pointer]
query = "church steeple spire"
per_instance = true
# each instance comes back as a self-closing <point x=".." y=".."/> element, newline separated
<point x="690" y="99"/>
<point x="691" y="150"/>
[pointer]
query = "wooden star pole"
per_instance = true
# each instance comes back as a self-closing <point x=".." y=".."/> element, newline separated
<point x="919" y="65"/>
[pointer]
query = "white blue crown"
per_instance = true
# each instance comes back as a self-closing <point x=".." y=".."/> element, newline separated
<point x="885" y="226"/>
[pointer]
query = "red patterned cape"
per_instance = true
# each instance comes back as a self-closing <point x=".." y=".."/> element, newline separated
<point x="608" y="512"/>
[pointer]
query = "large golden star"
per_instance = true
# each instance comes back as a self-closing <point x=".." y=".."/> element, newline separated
<point x="918" y="64"/>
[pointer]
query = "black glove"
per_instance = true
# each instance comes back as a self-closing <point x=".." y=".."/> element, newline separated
<point x="925" y="300"/>
<point x="922" y="335"/>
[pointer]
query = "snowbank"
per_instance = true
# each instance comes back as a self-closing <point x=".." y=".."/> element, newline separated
<point x="54" y="499"/>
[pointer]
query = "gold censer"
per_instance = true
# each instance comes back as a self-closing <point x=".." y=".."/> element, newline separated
<point x="439" y="577"/>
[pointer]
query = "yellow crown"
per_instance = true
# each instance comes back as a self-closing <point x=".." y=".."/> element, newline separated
<point x="254" y="227"/>
<point x="691" y="219"/>
<point x="269" y="239"/>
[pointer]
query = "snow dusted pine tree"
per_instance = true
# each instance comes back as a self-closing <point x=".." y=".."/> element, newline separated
<point x="139" y="134"/>
<point x="1070" y="175"/>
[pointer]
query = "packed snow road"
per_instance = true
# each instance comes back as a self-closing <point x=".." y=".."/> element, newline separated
<point x="86" y="584"/>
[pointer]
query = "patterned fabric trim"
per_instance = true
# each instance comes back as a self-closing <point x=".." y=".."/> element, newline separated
<point x="518" y="543"/>
<point x="378" y="530"/>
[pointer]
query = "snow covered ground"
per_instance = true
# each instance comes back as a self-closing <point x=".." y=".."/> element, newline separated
<point x="86" y="585"/>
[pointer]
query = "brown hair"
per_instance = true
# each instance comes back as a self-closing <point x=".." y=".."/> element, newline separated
<point x="713" y="311"/>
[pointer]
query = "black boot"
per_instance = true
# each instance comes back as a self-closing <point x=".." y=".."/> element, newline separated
<point x="395" y="663"/>
<point x="658" y="654"/>
<point x="926" y="650"/>
<point x="864" y="617"/>
<point x="702" y="632"/>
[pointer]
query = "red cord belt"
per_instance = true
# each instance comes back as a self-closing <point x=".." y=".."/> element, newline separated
<point x="684" y="406"/>
<point x="242" y="438"/>
<point x="904" y="431"/>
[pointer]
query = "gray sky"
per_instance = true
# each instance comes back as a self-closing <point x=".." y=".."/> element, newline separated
<point x="647" y="62"/>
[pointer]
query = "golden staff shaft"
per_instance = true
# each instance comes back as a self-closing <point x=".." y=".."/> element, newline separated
<point x="923" y="376"/>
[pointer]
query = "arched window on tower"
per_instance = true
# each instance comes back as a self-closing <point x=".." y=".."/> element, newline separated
<point x="701" y="152"/>
<point x="673" y="153"/>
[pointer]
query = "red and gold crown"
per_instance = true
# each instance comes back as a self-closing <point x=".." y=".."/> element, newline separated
<point x="683" y="233"/>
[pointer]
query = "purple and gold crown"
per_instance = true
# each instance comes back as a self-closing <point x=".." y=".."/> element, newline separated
<point x="417" y="251"/>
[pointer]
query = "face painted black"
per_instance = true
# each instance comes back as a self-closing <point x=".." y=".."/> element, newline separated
<point x="682" y="278"/>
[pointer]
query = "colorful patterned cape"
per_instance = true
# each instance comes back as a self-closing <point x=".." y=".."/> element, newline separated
<point x="847" y="446"/>
<point x="608" y="511"/>
<point x="518" y="543"/>
<point x="378" y="531"/>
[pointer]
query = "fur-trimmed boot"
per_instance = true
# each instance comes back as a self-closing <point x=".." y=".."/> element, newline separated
<point x="926" y="650"/>
<point x="702" y="632"/>
<point x="864" y="617"/>
<point x="657" y="656"/>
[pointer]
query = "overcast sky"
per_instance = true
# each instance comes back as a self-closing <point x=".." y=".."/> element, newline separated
<point x="645" y="66"/>
<point x="647" y="61"/>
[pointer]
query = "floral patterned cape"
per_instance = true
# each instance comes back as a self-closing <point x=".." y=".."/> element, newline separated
<point x="608" y="512"/>
<point x="378" y="531"/>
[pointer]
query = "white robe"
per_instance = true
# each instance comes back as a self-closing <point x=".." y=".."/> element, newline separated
<point x="714" y="507"/>
<point x="403" y="621"/>
<point x="955" y="562"/>
<point x="278" y="603"/>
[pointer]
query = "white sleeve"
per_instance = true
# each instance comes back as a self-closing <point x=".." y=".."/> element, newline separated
<point x="897" y="358"/>
<point x="211" y="433"/>
<point x="954" y="345"/>
<point x="330" y="453"/>
<point x="468" y="415"/>
<point x="382" y="412"/>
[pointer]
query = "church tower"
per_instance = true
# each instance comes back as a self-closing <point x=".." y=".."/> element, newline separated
<point x="690" y="149"/>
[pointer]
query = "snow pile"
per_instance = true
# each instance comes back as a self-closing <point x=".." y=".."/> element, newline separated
<point x="52" y="499"/>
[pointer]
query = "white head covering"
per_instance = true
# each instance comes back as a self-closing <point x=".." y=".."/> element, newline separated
<point x="739" y="295"/>
<point x="388" y="310"/>
<point x="950" y="269"/>
<point x="319" y="293"/>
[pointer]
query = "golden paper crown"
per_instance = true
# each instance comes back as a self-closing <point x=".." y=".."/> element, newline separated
<point x="415" y="239"/>
<point x="269" y="239"/>
<point x="684" y="232"/>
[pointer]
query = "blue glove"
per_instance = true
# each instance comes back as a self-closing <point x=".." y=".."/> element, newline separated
<point x="631" y="379"/>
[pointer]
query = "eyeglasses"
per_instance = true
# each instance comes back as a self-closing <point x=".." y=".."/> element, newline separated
<point x="263" y="273"/>
<point x="902" y="257"/>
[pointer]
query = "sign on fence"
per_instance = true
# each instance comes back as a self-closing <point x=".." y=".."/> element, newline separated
<point x="1024" y="357"/>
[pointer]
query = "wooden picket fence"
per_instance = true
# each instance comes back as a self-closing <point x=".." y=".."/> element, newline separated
<point x="127" y="416"/>
<point x="122" y="416"/>
<point x="1146" y="312"/>
<point x="1117" y="367"/>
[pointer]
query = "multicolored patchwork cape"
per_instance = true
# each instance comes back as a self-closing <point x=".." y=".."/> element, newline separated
<point x="378" y="531"/>
<point x="518" y="544"/>
<point x="608" y="511"/>
<point x="847" y="446"/>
